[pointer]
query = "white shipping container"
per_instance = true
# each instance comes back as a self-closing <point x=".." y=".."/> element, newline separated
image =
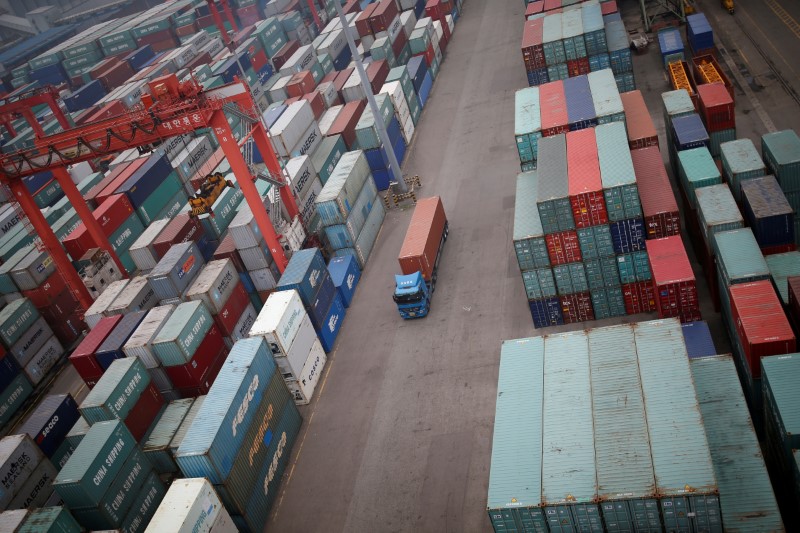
<point x="37" y="488"/>
<point x="41" y="363"/>
<point x="256" y="257"/>
<point x="33" y="270"/>
<point x="263" y="279"/>
<point x="142" y="252"/>
<point x="291" y="365"/>
<point x="214" y="284"/>
<point x="307" y="205"/>
<point x="199" y="40"/>
<point x="174" y="146"/>
<point x="395" y="28"/>
<point x="9" y="217"/>
<point x="299" y="61"/>
<point x="96" y="311"/>
<point x="327" y="119"/>
<point x="224" y="524"/>
<point x="31" y="341"/>
<point x="333" y="44"/>
<point x="191" y="158"/>
<point x="329" y="94"/>
<point x="302" y="389"/>
<point x="190" y="506"/>
<point x="352" y="90"/>
<point x="244" y="229"/>
<point x="138" y="295"/>
<point x="277" y="93"/>
<point x="279" y="320"/>
<point x="245" y="322"/>
<point x="408" y="130"/>
<point x="408" y="19"/>
<point x="288" y="131"/>
<point x="138" y="345"/>
<point x="19" y="457"/>
<point x="131" y="94"/>
<point x="79" y="171"/>
<point x="301" y="175"/>
<point x="395" y="92"/>
<point x="366" y="42"/>
<point x="124" y="157"/>
<point x="451" y="22"/>
<point x="309" y="142"/>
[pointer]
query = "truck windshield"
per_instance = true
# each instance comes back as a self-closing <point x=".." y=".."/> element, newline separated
<point x="408" y="298"/>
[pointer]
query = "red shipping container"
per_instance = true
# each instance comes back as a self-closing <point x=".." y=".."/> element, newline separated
<point x="156" y="37"/>
<point x="673" y="278"/>
<point x="641" y="131"/>
<point x="551" y="5"/>
<point x="383" y="15"/>
<point x="63" y="305"/>
<point x="660" y="210"/>
<point x="259" y="60"/>
<point x="45" y="293"/>
<point x="639" y="297"/>
<point x="232" y="311"/>
<point x="82" y="357"/>
<point x="341" y="80"/>
<point x="186" y="30"/>
<point x="345" y="123"/>
<point x="69" y="329"/>
<point x="144" y="412"/>
<point x="761" y="324"/>
<point x="352" y="6"/>
<point x="317" y="103"/>
<point x="300" y="83"/>
<point x="532" y="51"/>
<point x="102" y="66"/>
<point x="190" y="374"/>
<point x="779" y="249"/>
<point x="182" y="228"/>
<point x="585" y="187"/>
<point x="577" y="307"/>
<point x="433" y="9"/>
<point x="119" y="180"/>
<point x="227" y="250"/>
<point x="110" y="215"/>
<point x="207" y="380"/>
<point x="553" y="106"/>
<point x="716" y="107"/>
<point x="399" y="42"/>
<point x="116" y="76"/>
<point x="330" y="77"/>
<point x="578" y="67"/>
<point x="377" y="72"/>
<point x="534" y="8"/>
<point x="420" y="248"/>
<point x="283" y="55"/>
<point x="362" y="20"/>
<point x="563" y="247"/>
<point x="608" y="7"/>
<point x="202" y="59"/>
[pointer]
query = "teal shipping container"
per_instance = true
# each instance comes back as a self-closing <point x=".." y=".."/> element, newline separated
<point x="345" y="235"/>
<point x="178" y="339"/>
<point x="717" y="211"/>
<point x="91" y="470"/>
<point x="7" y="285"/>
<point x="570" y="278"/>
<point x="696" y="169"/>
<point x="782" y="418"/>
<point x="217" y="432"/>
<point x="144" y="506"/>
<point x="740" y="162"/>
<point x="622" y="442"/>
<point x="78" y="431"/>
<point x="605" y="96"/>
<point x="159" y="198"/>
<point x="552" y="42"/>
<point x="602" y="273"/>
<point x="558" y="72"/>
<point x="12" y="242"/>
<point x="514" y="500"/>
<point x="15" y="319"/>
<point x="156" y="448"/>
<point x="555" y="209"/>
<point x="572" y="33"/>
<point x="529" y="244"/>
<point x="608" y="302"/>
<point x="186" y="424"/>
<point x="223" y="211"/>
<point x="130" y="230"/>
<point x="327" y="156"/>
<point x="595" y="242"/>
<point x="616" y="172"/>
<point x="634" y="267"/>
<point x="366" y="130"/>
<point x="739" y="260"/>
<point x="717" y="138"/>
<point x="50" y="519"/>
<point x="539" y="283"/>
<point x="340" y="192"/>
<point x="781" y="268"/>
<point x="527" y="123"/>
<point x="116" y="392"/>
<point x="682" y="460"/>
<point x="781" y="151"/>
<point x="747" y="500"/>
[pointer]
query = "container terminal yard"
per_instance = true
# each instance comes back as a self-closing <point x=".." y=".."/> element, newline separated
<point x="608" y="233"/>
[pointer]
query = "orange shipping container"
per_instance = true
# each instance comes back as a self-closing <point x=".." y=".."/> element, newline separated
<point x="425" y="231"/>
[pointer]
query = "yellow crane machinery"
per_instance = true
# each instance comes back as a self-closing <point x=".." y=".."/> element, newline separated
<point x="709" y="72"/>
<point x="679" y="77"/>
<point x="728" y="4"/>
<point x="208" y="193"/>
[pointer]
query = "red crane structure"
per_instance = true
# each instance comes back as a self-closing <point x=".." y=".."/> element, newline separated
<point x="172" y="108"/>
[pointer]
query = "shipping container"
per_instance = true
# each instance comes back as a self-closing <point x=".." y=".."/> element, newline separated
<point x="342" y="188"/>
<point x="716" y="211"/>
<point x="181" y="229"/>
<point x="739" y="260"/>
<point x="138" y="295"/>
<point x="670" y="45"/>
<point x="50" y="519"/>
<point x="577" y="307"/>
<point x="768" y="213"/>
<point x="699" y="343"/>
<point x="116" y="392"/>
<point x="139" y="343"/>
<point x="673" y="279"/>
<point x="781" y="151"/>
<point x="641" y="131"/>
<point x="689" y="132"/>
<point x="716" y="107"/>
<point x="97" y="310"/>
<point x="783" y="267"/>
<point x="747" y="499"/>
<point x="15" y="319"/>
<point x="532" y="51"/>
<point x="617" y="173"/>
<point x="584" y="183"/>
<point x="563" y="247"/>
<point x="156" y="448"/>
<point x="606" y="97"/>
<point x="142" y="250"/>
<point x="190" y="506"/>
<point x="696" y="169"/>
<point x="539" y="283"/>
<point x="780" y="375"/>
<point x="19" y="459"/>
<point x="595" y="242"/>
<point x="553" y="107"/>
<point x="112" y="346"/>
<point x="555" y="209"/>
<point x="176" y="270"/>
<point x="345" y="275"/>
<point x="660" y="210"/>
<point x="527" y="123"/>
<point x="178" y="339"/>
<point x="214" y="285"/>
<point x="528" y="236"/>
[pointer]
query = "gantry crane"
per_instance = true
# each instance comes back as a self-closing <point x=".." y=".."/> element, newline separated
<point x="172" y="108"/>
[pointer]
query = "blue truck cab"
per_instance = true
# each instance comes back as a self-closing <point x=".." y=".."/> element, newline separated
<point x="412" y="295"/>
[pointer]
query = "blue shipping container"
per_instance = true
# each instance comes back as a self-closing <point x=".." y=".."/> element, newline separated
<point x="111" y="348"/>
<point x="417" y="68"/>
<point x="8" y="370"/>
<point x="305" y="272"/>
<point x="698" y="339"/>
<point x="247" y="282"/>
<point x="146" y="179"/>
<point x="51" y="421"/>
<point x="345" y="275"/>
<point x="538" y="76"/>
<point x="139" y="57"/>
<point x="425" y="90"/>
<point x="546" y="312"/>
<point x="319" y="308"/>
<point x="343" y="59"/>
<point x="580" y="107"/>
<point x="628" y="235"/>
<point x="332" y="324"/>
<point x="37" y="181"/>
<point x="689" y="132"/>
<point x="84" y="97"/>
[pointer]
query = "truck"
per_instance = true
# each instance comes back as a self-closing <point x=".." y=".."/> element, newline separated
<point x="419" y="258"/>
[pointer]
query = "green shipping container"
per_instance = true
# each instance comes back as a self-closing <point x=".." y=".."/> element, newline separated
<point x="91" y="470"/>
<point x="122" y="239"/>
<point x="608" y="303"/>
<point x="83" y="60"/>
<point x="116" y="392"/>
<point x="717" y="211"/>
<point x="15" y="319"/>
<point x="145" y="505"/>
<point x="13" y="396"/>
<point x="79" y="49"/>
<point x="366" y="132"/>
<point x="178" y="339"/>
<point x="601" y="273"/>
<point x="327" y="155"/>
<point x="595" y="242"/>
<point x="48" y="195"/>
<point x="696" y="169"/>
<point x="116" y="36"/>
<point x="159" y="199"/>
<point x="222" y="212"/>
<point x="782" y="421"/>
<point x="78" y="431"/>
<point x="616" y="172"/>
<point x="176" y="203"/>
<point x="14" y="242"/>
<point x="45" y="60"/>
<point x="528" y="236"/>
<point x="634" y="267"/>
<point x="151" y="26"/>
<point x="740" y="162"/>
<point x="157" y="447"/>
<point x="50" y="520"/>
<point x="7" y="285"/>
<point x="62" y="455"/>
<point x="781" y="268"/>
<point x="539" y="283"/>
<point x="570" y="278"/>
<point x="781" y="151"/>
<point x="118" y="48"/>
<point x="527" y="123"/>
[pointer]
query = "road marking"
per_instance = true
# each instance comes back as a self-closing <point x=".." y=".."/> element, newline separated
<point x="769" y="41"/>
<point x="785" y="17"/>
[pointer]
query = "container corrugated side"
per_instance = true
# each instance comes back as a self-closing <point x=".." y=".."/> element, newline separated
<point x="555" y="210"/>
<point x="698" y="340"/>
<point x="369" y="234"/>
<point x="15" y="319"/>
<point x="116" y="392"/>
<point x="682" y="463"/>
<point x="696" y="169"/>
<point x="746" y="496"/>
<point x="182" y="333"/>
<point x="217" y="432"/>
<point x="717" y="211"/>
<point x="781" y="151"/>
<point x="739" y="257"/>
<point x="617" y="173"/>
<point x="527" y="123"/>
<point x="137" y="295"/>
<point x="622" y="444"/>
<point x="781" y="268"/>
<point x="142" y="252"/>
<point x="139" y="343"/>
<point x="19" y="457"/>
<point x="740" y="162"/>
<point x="605" y="97"/>
<point x="156" y="448"/>
<point x="190" y="506"/>
<point x="768" y="212"/>
<point x="176" y="441"/>
<point x="782" y="416"/>
<point x="279" y="320"/>
<point x="176" y="270"/>
<point x="569" y="482"/>
<point x="95" y="312"/>
<point x="341" y="190"/>
<point x="50" y="519"/>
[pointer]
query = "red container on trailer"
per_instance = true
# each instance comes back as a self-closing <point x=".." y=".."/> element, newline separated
<point x="660" y="210"/>
<point x="534" y="8"/>
<point x="761" y="324"/>
<point x="283" y="55"/>
<point x="46" y="293"/>
<point x="608" y="7"/>
<point x="425" y="232"/>
<point x="532" y="50"/>
<point x="301" y="83"/>
<point x="383" y="15"/>
<point x="362" y="21"/>
<point x="553" y="106"/>
<point x="227" y="250"/>
<point x="190" y="375"/>
<point x="563" y="247"/>
<point x="82" y="357"/>
<point x="232" y="311"/>
<point x="585" y="186"/>
<point x="641" y="131"/>
<point x="577" y="307"/>
<point x="317" y="103"/>
<point x="639" y="297"/>
<point x="346" y="121"/>
<point x="673" y="279"/>
<point x="182" y="228"/>
<point x="577" y="67"/>
<point x="144" y="412"/>
<point x="716" y="107"/>
<point x="110" y="215"/>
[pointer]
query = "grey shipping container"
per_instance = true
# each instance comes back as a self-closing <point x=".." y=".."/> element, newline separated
<point x="214" y="285"/>
<point x="555" y="210"/>
<point x="142" y="251"/>
<point x="156" y="448"/>
<point x="176" y="441"/>
<point x="37" y="488"/>
<point x="139" y="343"/>
<point x="96" y="311"/>
<point x="529" y="243"/>
<point x="33" y="270"/>
<point x="31" y="341"/>
<point x="45" y="359"/>
<point x="138" y="295"/>
<point x="176" y="270"/>
<point x="19" y="457"/>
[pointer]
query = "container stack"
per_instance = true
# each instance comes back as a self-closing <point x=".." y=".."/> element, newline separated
<point x="673" y="280"/>
<point x="676" y="104"/>
<point x="349" y="208"/>
<point x="49" y="424"/>
<point x="781" y="151"/>
<point x="659" y="208"/>
<point x="191" y="505"/>
<point x="139" y="345"/>
<point x="27" y="474"/>
<point x="641" y="130"/>
<point x="699" y="35"/>
<point x="156" y="448"/>
<point x="345" y="275"/>
<point x="769" y="215"/>
<point x="719" y="117"/>
<point x="108" y="483"/>
<point x="243" y="434"/>
<point x="295" y="347"/>
<point x="619" y="469"/>
<point x="671" y="45"/>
